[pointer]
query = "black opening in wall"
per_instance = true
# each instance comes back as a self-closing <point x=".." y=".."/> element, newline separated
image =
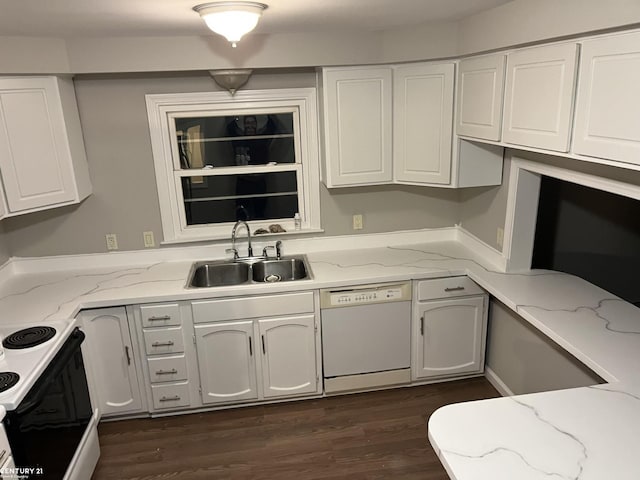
<point x="589" y="233"/>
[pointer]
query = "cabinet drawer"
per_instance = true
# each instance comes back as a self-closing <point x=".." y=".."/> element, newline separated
<point x="251" y="307"/>
<point x="447" y="287"/>
<point x="167" y="369"/>
<point x="170" y="396"/>
<point x="163" y="340"/>
<point x="164" y="315"/>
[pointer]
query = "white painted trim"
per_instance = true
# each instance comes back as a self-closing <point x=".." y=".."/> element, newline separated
<point x="486" y="251"/>
<point x="497" y="382"/>
<point x="522" y="204"/>
<point x="301" y="101"/>
<point x="17" y="265"/>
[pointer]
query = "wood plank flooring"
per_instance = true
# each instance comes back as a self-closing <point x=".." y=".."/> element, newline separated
<point x="364" y="436"/>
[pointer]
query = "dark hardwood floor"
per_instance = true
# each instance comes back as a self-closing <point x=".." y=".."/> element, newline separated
<point x="362" y="436"/>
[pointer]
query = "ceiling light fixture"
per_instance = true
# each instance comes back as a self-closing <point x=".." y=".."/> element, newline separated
<point x="231" y="19"/>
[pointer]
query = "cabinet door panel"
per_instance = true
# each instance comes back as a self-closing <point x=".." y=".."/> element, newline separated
<point x="423" y="116"/>
<point x="111" y="362"/>
<point x="357" y="111"/>
<point x="226" y="361"/>
<point x="449" y="337"/>
<point x="480" y="93"/>
<point x="608" y="105"/>
<point x="288" y="356"/>
<point x="34" y="157"/>
<point x="539" y="96"/>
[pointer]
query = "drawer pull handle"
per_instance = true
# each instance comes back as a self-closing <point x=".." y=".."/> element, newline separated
<point x="161" y="318"/>
<point x="2" y="455"/>
<point x="173" y="371"/>
<point x="453" y="289"/>
<point x="170" y="399"/>
<point x="162" y="344"/>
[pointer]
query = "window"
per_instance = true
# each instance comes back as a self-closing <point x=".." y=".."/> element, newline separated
<point x="220" y="159"/>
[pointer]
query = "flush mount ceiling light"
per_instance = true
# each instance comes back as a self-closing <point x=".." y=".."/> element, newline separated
<point x="231" y="19"/>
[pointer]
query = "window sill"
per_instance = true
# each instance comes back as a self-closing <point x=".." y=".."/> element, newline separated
<point x="227" y="237"/>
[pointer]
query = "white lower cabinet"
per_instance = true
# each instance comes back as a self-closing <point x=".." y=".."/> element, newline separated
<point x="226" y="361"/>
<point x="288" y="358"/>
<point x="257" y="358"/>
<point x="111" y="361"/>
<point x="449" y="332"/>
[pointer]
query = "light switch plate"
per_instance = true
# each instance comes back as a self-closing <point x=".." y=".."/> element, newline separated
<point x="149" y="240"/>
<point x="357" y="222"/>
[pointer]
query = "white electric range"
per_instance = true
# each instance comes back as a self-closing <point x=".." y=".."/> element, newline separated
<point x="28" y="363"/>
<point x="45" y="393"/>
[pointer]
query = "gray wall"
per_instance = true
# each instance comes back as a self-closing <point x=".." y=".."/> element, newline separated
<point x="4" y="246"/>
<point x="526" y="360"/>
<point x="125" y="200"/>
<point x="483" y="209"/>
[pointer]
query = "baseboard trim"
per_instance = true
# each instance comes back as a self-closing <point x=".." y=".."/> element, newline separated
<point x="497" y="382"/>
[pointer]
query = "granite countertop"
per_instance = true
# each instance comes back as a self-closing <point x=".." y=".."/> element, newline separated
<point x="564" y="434"/>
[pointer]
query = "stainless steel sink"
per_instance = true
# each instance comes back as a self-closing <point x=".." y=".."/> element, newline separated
<point x="283" y="270"/>
<point x="221" y="273"/>
<point x="218" y="274"/>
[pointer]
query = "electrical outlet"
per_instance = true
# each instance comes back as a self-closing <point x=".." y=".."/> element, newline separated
<point x="357" y="222"/>
<point x="112" y="241"/>
<point x="149" y="240"/>
<point x="500" y="236"/>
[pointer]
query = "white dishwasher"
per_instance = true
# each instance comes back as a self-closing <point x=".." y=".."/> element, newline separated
<point x="366" y="336"/>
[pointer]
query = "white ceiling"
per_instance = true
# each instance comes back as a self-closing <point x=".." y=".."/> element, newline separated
<point x="98" y="18"/>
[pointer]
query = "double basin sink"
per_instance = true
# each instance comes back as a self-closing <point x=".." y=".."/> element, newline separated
<point x="251" y="270"/>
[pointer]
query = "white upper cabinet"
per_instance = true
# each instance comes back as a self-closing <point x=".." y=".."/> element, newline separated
<point x="480" y="94"/>
<point x="42" y="159"/>
<point x="608" y="101"/>
<point x="423" y="122"/>
<point x="539" y="96"/>
<point x="357" y="125"/>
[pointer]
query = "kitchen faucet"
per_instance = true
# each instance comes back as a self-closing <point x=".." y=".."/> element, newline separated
<point x="241" y="223"/>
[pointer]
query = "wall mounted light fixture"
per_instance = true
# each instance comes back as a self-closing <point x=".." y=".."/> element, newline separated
<point x="231" y="19"/>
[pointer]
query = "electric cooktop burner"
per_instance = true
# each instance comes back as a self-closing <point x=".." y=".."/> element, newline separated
<point x="29" y="337"/>
<point x="8" y="380"/>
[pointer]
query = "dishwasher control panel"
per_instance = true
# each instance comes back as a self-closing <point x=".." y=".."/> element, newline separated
<point x="365" y="295"/>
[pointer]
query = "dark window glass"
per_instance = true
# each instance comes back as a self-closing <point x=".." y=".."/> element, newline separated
<point x="211" y="142"/>
<point x="227" y="198"/>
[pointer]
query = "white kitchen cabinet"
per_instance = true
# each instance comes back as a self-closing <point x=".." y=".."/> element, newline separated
<point x="480" y="92"/>
<point x="111" y="360"/>
<point x="42" y="158"/>
<point x="257" y="348"/>
<point x="607" y="121"/>
<point x="226" y="360"/>
<point x="539" y="96"/>
<point x="288" y="356"/>
<point x="423" y="122"/>
<point x="357" y="118"/>
<point x="448" y="332"/>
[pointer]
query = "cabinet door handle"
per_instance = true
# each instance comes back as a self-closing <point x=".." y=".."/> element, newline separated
<point x="453" y="289"/>
<point x="250" y="347"/>
<point x="422" y="326"/>
<point x="161" y="318"/>
<point x="173" y="371"/>
<point x="264" y="350"/>
<point x="162" y="344"/>
<point x="126" y="352"/>
<point x="170" y="399"/>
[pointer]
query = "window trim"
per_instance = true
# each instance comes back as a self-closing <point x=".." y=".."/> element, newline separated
<point x="161" y="107"/>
